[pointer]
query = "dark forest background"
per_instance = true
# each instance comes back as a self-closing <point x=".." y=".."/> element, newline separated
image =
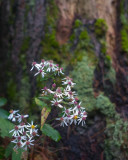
<point x="89" y="39"/>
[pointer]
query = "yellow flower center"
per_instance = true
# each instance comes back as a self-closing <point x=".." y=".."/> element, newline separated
<point x="75" y="117"/>
<point x="11" y="111"/>
<point x="32" y="126"/>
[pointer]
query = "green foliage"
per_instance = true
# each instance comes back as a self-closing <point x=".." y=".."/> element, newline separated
<point x="61" y="53"/>
<point x="100" y="28"/>
<point x="3" y="113"/>
<point x="123" y="19"/>
<point x="5" y="127"/>
<point x="9" y="150"/>
<point x="17" y="155"/>
<point x="84" y="45"/>
<point x="72" y="37"/>
<point x="103" y="46"/>
<point x="84" y="40"/>
<point x="84" y="35"/>
<point x="40" y="103"/>
<point x="116" y="143"/>
<point x="110" y="73"/>
<point x="124" y="40"/>
<point x="116" y="128"/>
<point x="52" y="13"/>
<point x="51" y="132"/>
<point x="83" y="77"/>
<point x="77" y="23"/>
<point x="51" y="48"/>
<point x="105" y="106"/>
<point x="3" y="101"/>
<point x="124" y="30"/>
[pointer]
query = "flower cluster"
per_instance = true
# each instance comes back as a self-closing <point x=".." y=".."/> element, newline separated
<point x="63" y="97"/>
<point x="45" y="67"/>
<point x="66" y="99"/>
<point x="23" y="134"/>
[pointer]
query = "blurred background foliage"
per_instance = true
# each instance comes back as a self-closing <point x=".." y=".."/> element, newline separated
<point x="91" y="48"/>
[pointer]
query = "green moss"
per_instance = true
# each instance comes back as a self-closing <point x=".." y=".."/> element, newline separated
<point x="108" y="57"/>
<point x="124" y="30"/>
<point x="77" y="23"/>
<point x="103" y="46"/>
<point x="50" y="46"/>
<point x="116" y="127"/>
<point x="52" y="14"/>
<point x="84" y="35"/>
<point x="116" y="143"/>
<point x="123" y="19"/>
<point x="122" y="13"/>
<point x="84" y="40"/>
<point x="84" y="45"/>
<point x="60" y="53"/>
<point x="72" y="37"/>
<point x="51" y="39"/>
<point x="83" y="76"/>
<point x="124" y="40"/>
<point x="109" y="74"/>
<point x="100" y="27"/>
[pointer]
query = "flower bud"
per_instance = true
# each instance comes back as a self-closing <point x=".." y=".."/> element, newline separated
<point x="54" y="85"/>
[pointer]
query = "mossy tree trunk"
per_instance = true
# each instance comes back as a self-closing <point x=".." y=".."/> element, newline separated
<point x="22" y="30"/>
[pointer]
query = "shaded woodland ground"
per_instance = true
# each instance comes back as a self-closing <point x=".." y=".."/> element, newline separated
<point x="90" y="40"/>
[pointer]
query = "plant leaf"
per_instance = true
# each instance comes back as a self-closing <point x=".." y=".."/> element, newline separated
<point x="3" y="101"/>
<point x="51" y="132"/>
<point x="44" y="114"/>
<point x="4" y="113"/>
<point x="40" y="103"/>
<point x="46" y="98"/>
<point x="5" y="127"/>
